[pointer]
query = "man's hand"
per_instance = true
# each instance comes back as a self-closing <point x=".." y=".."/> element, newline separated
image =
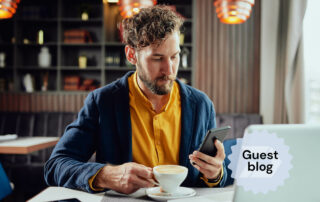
<point x="209" y="166"/>
<point x="126" y="178"/>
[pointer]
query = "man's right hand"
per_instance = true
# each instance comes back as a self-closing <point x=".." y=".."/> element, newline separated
<point x="126" y="178"/>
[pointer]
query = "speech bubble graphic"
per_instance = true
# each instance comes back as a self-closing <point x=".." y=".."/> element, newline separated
<point x="260" y="162"/>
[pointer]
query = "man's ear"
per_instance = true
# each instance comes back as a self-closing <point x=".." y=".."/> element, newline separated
<point x="131" y="54"/>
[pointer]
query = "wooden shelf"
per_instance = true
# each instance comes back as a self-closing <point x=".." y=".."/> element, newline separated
<point x="38" y="20"/>
<point x="94" y="44"/>
<point x="186" y="45"/>
<point x="6" y="68"/>
<point x="38" y="45"/>
<point x="88" y="68"/>
<point x="181" y="69"/>
<point x="114" y="43"/>
<point x="36" y="68"/>
<point x="123" y="68"/>
<point x="188" y="20"/>
<point x="120" y="68"/>
<point x="79" y="20"/>
<point x="6" y="44"/>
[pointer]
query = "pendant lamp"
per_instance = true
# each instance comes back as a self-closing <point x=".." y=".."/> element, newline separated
<point x="131" y="7"/>
<point x="8" y="8"/>
<point x="233" y="11"/>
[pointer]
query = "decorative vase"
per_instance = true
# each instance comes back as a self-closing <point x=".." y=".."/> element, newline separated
<point x="44" y="57"/>
<point x="184" y="57"/>
<point x="2" y="60"/>
<point x="82" y="61"/>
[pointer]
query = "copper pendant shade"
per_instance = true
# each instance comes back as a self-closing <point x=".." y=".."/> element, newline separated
<point x="233" y="11"/>
<point x="8" y="8"/>
<point x="131" y="7"/>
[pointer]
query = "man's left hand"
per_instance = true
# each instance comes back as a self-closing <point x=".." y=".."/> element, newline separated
<point x="209" y="166"/>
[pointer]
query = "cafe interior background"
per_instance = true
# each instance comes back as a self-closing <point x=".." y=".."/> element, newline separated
<point x="258" y="68"/>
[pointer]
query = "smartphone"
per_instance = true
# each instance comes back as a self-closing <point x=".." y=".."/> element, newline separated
<point x="207" y="146"/>
<point x="67" y="200"/>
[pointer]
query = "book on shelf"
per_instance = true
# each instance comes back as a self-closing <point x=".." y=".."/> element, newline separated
<point x="88" y="84"/>
<point x="2" y="85"/>
<point x="77" y="36"/>
<point x="71" y="83"/>
<point x="74" y="83"/>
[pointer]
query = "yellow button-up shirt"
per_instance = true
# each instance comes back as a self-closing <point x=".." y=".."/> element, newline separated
<point x="155" y="136"/>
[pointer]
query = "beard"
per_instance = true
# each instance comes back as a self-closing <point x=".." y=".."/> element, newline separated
<point x="153" y="86"/>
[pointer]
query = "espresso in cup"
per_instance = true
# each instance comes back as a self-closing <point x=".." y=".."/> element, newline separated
<point x="170" y="177"/>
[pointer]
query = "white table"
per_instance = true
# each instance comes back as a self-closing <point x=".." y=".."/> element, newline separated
<point x="26" y="145"/>
<point x="60" y="193"/>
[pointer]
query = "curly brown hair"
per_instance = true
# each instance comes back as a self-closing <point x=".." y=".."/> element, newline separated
<point x="150" y="26"/>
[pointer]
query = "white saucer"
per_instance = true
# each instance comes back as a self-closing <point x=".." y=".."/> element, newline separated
<point x="182" y="192"/>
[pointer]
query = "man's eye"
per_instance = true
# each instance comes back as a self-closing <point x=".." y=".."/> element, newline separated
<point x="175" y="57"/>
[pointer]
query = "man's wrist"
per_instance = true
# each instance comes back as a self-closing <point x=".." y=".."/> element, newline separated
<point x="100" y="180"/>
<point x="213" y="182"/>
<point x="92" y="180"/>
<point x="217" y="179"/>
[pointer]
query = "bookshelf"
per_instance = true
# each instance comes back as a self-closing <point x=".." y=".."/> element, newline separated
<point x="104" y="53"/>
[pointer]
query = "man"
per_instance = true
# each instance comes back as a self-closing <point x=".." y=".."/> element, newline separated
<point x="146" y="118"/>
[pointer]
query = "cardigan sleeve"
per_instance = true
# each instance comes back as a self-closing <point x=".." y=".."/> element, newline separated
<point x="67" y="165"/>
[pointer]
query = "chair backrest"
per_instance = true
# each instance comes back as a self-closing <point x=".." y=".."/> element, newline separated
<point x="5" y="188"/>
<point x="238" y="123"/>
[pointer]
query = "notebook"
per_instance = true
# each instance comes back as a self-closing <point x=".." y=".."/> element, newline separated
<point x="303" y="183"/>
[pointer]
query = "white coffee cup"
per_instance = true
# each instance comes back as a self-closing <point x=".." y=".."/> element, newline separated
<point x="170" y="177"/>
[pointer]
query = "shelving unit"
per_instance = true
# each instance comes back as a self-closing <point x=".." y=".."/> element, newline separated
<point x="106" y="60"/>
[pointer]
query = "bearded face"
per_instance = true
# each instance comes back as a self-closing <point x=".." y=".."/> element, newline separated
<point x="157" y="65"/>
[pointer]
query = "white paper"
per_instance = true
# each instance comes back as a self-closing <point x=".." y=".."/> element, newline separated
<point x="61" y="193"/>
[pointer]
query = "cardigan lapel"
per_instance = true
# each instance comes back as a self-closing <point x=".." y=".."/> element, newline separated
<point x="122" y="115"/>
<point x="187" y="124"/>
<point x="188" y="108"/>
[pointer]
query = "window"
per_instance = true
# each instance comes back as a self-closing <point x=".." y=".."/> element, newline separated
<point x="311" y="37"/>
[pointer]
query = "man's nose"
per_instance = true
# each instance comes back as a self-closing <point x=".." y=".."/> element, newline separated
<point x="167" y="67"/>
